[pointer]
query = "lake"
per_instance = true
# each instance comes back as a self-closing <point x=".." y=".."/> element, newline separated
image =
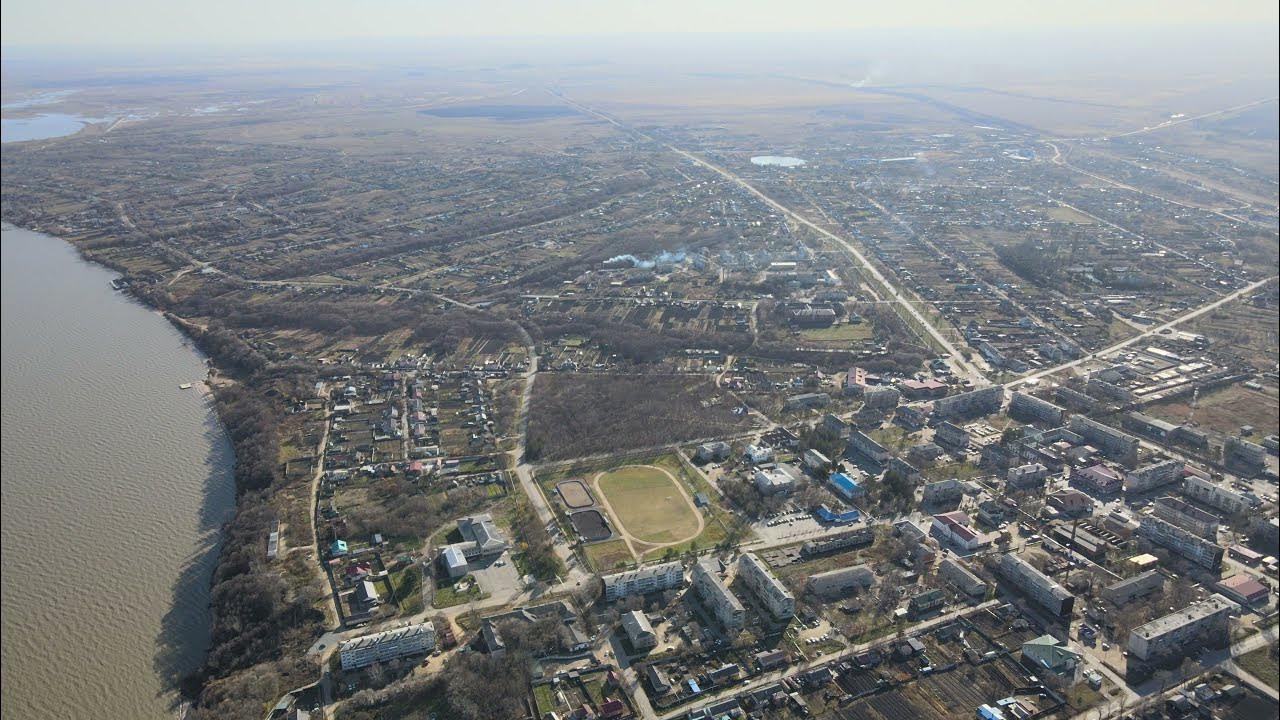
<point x="777" y="161"/>
<point x="115" y="484"/>
<point x="48" y="125"/>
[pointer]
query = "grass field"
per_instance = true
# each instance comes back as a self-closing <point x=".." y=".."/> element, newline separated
<point x="448" y="595"/>
<point x="1261" y="665"/>
<point x="1225" y="410"/>
<point x="606" y="556"/>
<point x="647" y="503"/>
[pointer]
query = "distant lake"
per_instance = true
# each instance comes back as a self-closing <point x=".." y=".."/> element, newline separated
<point x="501" y="112"/>
<point x="777" y="161"/>
<point x="42" y="126"/>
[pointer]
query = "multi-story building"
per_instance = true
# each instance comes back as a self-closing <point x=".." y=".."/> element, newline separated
<point x="974" y="402"/>
<point x="1214" y="495"/>
<point x="1075" y="399"/>
<point x="779" y="601"/>
<point x="881" y="397"/>
<point x="833" y="425"/>
<point x="1029" y="407"/>
<point x="943" y="491"/>
<point x="480" y="538"/>
<point x="1187" y="517"/>
<point x="952" y="436"/>
<point x="955" y="573"/>
<point x="1130" y="589"/>
<point x="1182" y="542"/>
<point x="1119" y="446"/>
<point x="1028" y="476"/>
<point x="1098" y="478"/>
<point x="815" y="461"/>
<point x="841" y="581"/>
<point x="1181" y="632"/>
<point x="806" y="401"/>
<point x="1244" y="452"/>
<point x="862" y="444"/>
<point x="724" y="607"/>
<point x="1154" y="475"/>
<point x="1040" y="588"/>
<point x="642" y="581"/>
<point x="639" y="631"/>
<point x="953" y="528"/>
<point x="774" y="479"/>
<point x="926" y="601"/>
<point x="387" y="645"/>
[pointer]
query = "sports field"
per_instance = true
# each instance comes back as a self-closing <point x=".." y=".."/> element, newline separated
<point x="648" y="505"/>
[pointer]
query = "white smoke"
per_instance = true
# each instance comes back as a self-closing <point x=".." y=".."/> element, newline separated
<point x="663" y="258"/>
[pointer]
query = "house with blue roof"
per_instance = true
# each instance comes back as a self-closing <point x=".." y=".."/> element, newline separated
<point x="338" y="548"/>
<point x="846" y="486"/>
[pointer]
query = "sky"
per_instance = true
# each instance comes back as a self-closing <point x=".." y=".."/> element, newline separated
<point x="210" y="22"/>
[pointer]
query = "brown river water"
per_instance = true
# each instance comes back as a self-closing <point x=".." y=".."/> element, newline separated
<point x="115" y="484"/>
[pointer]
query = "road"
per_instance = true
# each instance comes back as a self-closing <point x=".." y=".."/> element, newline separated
<point x="777" y="675"/>
<point x="1156" y="330"/>
<point x="868" y="268"/>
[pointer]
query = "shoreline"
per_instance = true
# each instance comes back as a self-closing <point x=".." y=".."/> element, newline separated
<point x="204" y="387"/>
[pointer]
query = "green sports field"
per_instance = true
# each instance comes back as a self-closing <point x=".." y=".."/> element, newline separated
<point x="647" y="503"/>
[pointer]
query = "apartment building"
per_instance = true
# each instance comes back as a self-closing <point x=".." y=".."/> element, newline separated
<point x="1214" y="495"/>
<point x="1130" y="589"/>
<point x="715" y="596"/>
<point x="1182" y="542"/>
<point x="955" y="573"/>
<point x="1154" y="475"/>
<point x="387" y="645"/>
<point x="779" y="601"/>
<point x="1187" y="517"/>
<point x="1179" y="632"/>
<point x="1040" y="588"/>
<point x="642" y="581"/>
<point x="841" y="581"/>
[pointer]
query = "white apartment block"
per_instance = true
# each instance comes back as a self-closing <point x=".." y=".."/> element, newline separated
<point x="643" y="581"/>
<point x="775" y="596"/>
<point x="387" y="645"/>
<point x="724" y="607"/>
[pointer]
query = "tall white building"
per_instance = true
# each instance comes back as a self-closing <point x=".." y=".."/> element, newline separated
<point x="775" y="596"/>
<point x="387" y="645"/>
<point x="643" y="580"/>
<point x="724" y="607"/>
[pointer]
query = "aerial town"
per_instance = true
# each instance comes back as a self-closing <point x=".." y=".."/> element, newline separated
<point x="561" y="404"/>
